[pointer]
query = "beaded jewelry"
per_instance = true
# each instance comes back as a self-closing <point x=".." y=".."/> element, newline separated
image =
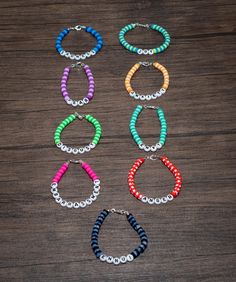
<point x="159" y="93"/>
<point x="57" y="178"/>
<point x="135" y="135"/>
<point x="140" y="51"/>
<point x="65" y="78"/>
<point x="72" y="56"/>
<point x="175" y="192"/>
<point x="123" y="259"/>
<point x="80" y="150"/>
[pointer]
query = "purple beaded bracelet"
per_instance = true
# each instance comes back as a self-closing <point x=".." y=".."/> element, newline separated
<point x="65" y="78"/>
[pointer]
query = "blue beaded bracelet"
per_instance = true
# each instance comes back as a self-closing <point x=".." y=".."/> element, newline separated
<point x="123" y="259"/>
<point x="140" y="51"/>
<point x="85" y="55"/>
<point x="135" y="135"/>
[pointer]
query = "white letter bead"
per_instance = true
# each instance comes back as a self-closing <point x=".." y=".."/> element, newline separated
<point x="157" y="201"/>
<point x="144" y="199"/>
<point x="92" y="145"/>
<point x="158" y="145"/>
<point x="164" y="200"/>
<point x="83" y="204"/>
<point x="81" y="150"/>
<point x="116" y="261"/>
<point x="54" y="190"/>
<point x="63" y="148"/>
<point x="56" y="195"/>
<point x="88" y="201"/>
<point x="151" y="201"/>
<point x="75" y="151"/>
<point x="76" y="205"/>
<point x="93" y="198"/>
<point x="123" y="259"/>
<point x="96" y="182"/>
<point x="109" y="259"/>
<point x="96" y="193"/>
<point x="80" y="103"/>
<point x="54" y="184"/>
<point x="103" y="257"/>
<point x="58" y="200"/>
<point x="74" y="103"/>
<point x="69" y="205"/>
<point x="129" y="257"/>
<point x="63" y="203"/>
<point x="153" y="148"/>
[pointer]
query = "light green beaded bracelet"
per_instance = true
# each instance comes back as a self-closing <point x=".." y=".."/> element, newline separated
<point x="135" y="135"/>
<point x="80" y="150"/>
<point x="141" y="51"/>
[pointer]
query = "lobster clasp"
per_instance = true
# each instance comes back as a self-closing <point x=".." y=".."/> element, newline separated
<point x="142" y="25"/>
<point x="153" y="157"/>
<point x="145" y="64"/>
<point x="75" y="161"/>
<point x="118" y="211"/>
<point x="79" y="116"/>
<point x="150" y="107"/>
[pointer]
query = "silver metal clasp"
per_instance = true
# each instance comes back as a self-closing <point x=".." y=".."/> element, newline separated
<point x="142" y="25"/>
<point x="78" y="65"/>
<point x="146" y="64"/>
<point x="153" y="157"/>
<point x="79" y="116"/>
<point x="77" y="27"/>
<point x="118" y="211"/>
<point x="151" y="107"/>
<point x="75" y="161"/>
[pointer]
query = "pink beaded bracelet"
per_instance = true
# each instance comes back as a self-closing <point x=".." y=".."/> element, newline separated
<point x="64" y="81"/>
<point x="57" y="178"/>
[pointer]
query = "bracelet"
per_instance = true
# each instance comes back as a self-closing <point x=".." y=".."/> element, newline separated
<point x="140" y="51"/>
<point x="151" y="96"/>
<point x="72" y="56"/>
<point x="135" y="135"/>
<point x="57" y="178"/>
<point x="65" y="78"/>
<point x="67" y="121"/>
<point x="133" y="190"/>
<point x="123" y="259"/>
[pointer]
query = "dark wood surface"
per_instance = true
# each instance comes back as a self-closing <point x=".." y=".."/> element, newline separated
<point x="192" y="238"/>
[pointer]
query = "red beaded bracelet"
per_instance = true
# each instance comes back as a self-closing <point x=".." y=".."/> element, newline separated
<point x="173" y="194"/>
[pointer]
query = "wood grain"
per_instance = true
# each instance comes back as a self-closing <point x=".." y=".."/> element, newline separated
<point x="191" y="239"/>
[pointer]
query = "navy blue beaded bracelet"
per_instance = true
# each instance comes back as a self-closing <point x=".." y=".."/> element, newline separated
<point x="85" y="55"/>
<point x="123" y="259"/>
<point x="141" y="51"/>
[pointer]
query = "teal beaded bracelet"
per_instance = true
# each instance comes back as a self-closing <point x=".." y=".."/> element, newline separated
<point x="141" y="51"/>
<point x="80" y="150"/>
<point x="135" y="135"/>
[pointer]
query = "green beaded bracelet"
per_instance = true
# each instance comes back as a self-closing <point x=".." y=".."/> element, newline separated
<point x="135" y="135"/>
<point x="141" y="51"/>
<point x="80" y="150"/>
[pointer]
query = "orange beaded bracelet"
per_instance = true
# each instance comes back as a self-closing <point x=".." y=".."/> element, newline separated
<point x="159" y="93"/>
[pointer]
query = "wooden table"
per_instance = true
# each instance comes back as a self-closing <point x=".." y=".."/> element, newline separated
<point x="191" y="238"/>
